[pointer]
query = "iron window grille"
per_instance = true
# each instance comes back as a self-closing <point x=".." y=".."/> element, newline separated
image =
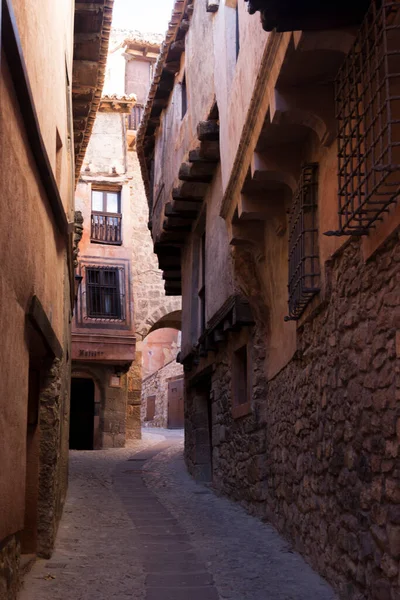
<point x="304" y="271"/>
<point x="105" y="297"/>
<point x="367" y="100"/>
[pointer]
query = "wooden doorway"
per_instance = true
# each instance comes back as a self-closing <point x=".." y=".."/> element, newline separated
<point x="176" y="417"/>
<point x="150" y="408"/>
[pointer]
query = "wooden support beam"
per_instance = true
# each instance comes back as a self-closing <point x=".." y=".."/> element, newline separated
<point x="172" y="67"/>
<point x="187" y="215"/>
<point x="176" y="50"/>
<point x="202" y="172"/>
<point x="84" y="75"/>
<point x="171" y="237"/>
<point x="184" y="25"/>
<point x="191" y="191"/>
<point x="174" y="225"/>
<point x="208" y="131"/>
<point x="185" y="206"/>
<point x="165" y="251"/>
<point x="207" y="152"/>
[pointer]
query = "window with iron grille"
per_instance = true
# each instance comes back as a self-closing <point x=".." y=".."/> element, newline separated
<point x="304" y="272"/>
<point x="368" y="114"/>
<point x="105" y="299"/>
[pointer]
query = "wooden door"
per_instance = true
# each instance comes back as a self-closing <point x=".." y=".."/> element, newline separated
<point x="150" y="408"/>
<point x="175" y="404"/>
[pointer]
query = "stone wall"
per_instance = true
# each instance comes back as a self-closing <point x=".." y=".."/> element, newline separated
<point x="53" y="474"/>
<point x="149" y="300"/>
<point x="149" y="297"/>
<point x="157" y="385"/>
<point x="318" y="456"/>
<point x="9" y="568"/>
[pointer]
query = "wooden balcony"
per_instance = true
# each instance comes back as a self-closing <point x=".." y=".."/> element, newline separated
<point x="106" y="228"/>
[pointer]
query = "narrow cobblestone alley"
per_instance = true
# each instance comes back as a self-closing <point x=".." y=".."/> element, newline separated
<point x="137" y="526"/>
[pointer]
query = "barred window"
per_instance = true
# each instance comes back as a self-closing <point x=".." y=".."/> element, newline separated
<point x="368" y="114"/>
<point x="104" y="297"/>
<point x="304" y="272"/>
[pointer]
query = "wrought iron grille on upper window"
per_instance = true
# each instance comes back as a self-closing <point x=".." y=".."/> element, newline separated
<point x="304" y="272"/>
<point x="368" y="114"/>
<point x="104" y="293"/>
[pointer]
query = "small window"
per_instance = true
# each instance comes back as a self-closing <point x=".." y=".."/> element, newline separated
<point x="106" y="217"/>
<point x="103" y="293"/>
<point x="184" y="96"/>
<point x="240" y="376"/>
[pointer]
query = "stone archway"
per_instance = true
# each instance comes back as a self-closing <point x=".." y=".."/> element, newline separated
<point x="169" y="318"/>
<point x="168" y="312"/>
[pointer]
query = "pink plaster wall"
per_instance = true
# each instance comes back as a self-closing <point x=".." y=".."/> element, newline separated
<point x="158" y="349"/>
<point x="32" y="252"/>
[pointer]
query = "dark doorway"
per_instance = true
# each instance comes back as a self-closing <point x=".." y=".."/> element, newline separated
<point x="202" y="430"/>
<point x="82" y="414"/>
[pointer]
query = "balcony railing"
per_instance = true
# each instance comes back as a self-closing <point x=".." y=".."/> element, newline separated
<point x="135" y="117"/>
<point x="106" y="228"/>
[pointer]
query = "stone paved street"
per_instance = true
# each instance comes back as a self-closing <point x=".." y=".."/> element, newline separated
<point x="136" y="526"/>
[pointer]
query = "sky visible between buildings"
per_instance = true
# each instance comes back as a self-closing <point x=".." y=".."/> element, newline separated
<point x="150" y="15"/>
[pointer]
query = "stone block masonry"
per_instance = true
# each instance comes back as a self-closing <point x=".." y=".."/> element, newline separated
<point x="318" y="456"/>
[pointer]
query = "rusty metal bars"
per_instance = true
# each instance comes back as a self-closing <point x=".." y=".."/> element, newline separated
<point x="304" y="270"/>
<point x="105" y="298"/>
<point x="367" y="95"/>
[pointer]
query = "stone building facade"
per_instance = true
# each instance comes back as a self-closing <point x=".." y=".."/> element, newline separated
<point x="270" y="164"/>
<point x="121" y="295"/>
<point x="162" y="400"/>
<point x="44" y="130"/>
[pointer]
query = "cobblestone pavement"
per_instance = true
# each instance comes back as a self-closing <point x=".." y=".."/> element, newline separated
<point x="136" y="526"/>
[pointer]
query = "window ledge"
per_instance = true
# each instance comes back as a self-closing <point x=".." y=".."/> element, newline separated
<point x="241" y="410"/>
